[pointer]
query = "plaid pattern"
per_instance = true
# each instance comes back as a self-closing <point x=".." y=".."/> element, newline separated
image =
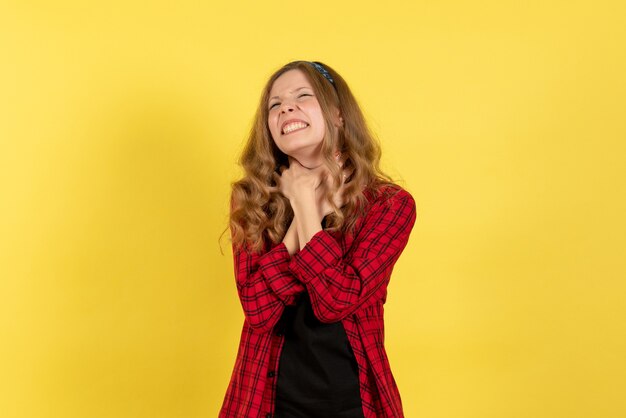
<point x="346" y="277"/>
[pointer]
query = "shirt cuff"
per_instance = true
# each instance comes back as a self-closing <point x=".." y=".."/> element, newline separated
<point x="322" y="251"/>
<point x="274" y="266"/>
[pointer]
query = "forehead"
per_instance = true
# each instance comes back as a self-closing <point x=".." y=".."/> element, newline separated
<point x="289" y="81"/>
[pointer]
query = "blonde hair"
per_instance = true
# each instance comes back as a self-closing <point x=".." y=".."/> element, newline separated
<point x="259" y="213"/>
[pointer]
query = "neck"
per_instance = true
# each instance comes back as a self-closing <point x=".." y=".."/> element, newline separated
<point x="309" y="163"/>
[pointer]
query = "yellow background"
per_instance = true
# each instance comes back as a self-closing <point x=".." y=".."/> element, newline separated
<point x="120" y="126"/>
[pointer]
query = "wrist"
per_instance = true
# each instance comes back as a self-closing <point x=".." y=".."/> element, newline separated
<point x="291" y="238"/>
<point x="307" y="209"/>
<point x="308" y="213"/>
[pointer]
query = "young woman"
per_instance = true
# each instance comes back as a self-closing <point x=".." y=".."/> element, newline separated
<point x="316" y="230"/>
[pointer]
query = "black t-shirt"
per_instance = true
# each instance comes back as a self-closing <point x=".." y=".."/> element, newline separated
<point x="317" y="372"/>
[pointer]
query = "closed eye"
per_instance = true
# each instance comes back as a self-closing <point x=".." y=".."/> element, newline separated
<point x="299" y="96"/>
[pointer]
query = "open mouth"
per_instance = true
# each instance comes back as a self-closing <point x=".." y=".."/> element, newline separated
<point x="294" y="127"/>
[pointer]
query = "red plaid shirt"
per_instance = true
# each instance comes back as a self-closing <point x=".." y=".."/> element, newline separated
<point x="346" y="276"/>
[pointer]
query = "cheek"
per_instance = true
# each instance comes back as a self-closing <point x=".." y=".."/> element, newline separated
<point x="320" y="125"/>
<point x="317" y="117"/>
<point x="271" y="123"/>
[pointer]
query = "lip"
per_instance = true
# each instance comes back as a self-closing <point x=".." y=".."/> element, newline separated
<point x="290" y="121"/>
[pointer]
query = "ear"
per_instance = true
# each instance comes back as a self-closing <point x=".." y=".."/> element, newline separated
<point x="338" y="118"/>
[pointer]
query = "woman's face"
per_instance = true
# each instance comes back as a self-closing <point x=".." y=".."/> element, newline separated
<point x="295" y="118"/>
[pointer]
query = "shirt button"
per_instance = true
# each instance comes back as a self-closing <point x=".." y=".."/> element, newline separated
<point x="271" y="374"/>
<point x="268" y="415"/>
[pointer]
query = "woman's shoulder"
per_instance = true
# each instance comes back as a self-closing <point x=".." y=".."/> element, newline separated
<point x="388" y="200"/>
<point x="387" y="193"/>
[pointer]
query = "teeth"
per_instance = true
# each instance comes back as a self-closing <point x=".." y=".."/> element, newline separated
<point x="293" y="126"/>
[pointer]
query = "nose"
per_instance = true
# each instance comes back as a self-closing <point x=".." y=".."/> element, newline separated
<point x="286" y="107"/>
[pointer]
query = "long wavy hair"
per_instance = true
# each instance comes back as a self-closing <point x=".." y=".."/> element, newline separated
<point x="259" y="213"/>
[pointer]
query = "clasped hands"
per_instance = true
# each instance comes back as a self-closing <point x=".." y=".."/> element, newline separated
<point x="306" y="187"/>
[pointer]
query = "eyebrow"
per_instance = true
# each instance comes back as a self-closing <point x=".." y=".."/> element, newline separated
<point x="299" y="88"/>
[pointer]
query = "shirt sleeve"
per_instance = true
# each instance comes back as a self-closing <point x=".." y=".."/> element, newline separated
<point x="265" y="285"/>
<point x="339" y="284"/>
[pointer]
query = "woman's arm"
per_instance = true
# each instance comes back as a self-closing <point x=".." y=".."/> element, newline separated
<point x="265" y="285"/>
<point x="339" y="284"/>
